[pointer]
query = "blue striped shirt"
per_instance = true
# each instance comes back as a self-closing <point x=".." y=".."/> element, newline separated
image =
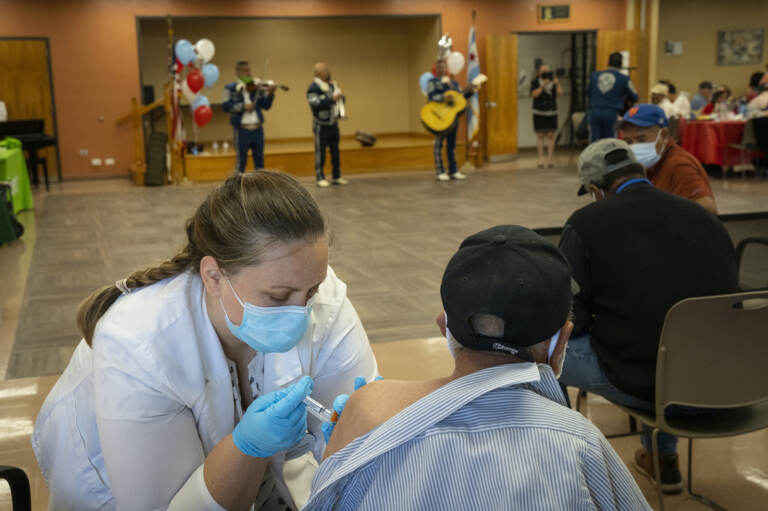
<point x="500" y="438"/>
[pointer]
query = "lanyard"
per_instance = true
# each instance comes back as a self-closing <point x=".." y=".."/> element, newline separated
<point x="631" y="182"/>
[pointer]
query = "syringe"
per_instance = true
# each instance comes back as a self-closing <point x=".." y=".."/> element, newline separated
<point x="316" y="409"/>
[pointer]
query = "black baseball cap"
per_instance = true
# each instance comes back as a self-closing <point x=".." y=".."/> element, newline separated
<point x="512" y="273"/>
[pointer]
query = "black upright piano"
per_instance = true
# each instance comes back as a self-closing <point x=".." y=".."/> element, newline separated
<point x="32" y="135"/>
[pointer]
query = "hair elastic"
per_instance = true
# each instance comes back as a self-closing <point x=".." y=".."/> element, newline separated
<point x="122" y="285"/>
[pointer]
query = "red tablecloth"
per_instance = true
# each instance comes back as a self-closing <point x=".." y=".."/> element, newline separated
<point x="708" y="142"/>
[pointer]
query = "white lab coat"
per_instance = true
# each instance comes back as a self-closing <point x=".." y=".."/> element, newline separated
<point x="129" y="423"/>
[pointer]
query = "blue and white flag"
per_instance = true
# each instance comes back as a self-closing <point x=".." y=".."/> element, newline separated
<point x="473" y="70"/>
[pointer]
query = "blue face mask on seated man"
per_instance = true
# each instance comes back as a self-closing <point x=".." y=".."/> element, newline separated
<point x="646" y="153"/>
<point x="270" y="329"/>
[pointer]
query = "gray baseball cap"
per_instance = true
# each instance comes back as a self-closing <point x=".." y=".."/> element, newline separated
<point x="601" y="158"/>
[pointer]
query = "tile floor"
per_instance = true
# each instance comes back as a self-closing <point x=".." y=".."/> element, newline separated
<point x="407" y="224"/>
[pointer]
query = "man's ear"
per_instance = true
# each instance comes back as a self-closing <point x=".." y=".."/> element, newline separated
<point x="663" y="139"/>
<point x="212" y="276"/>
<point x="441" y="322"/>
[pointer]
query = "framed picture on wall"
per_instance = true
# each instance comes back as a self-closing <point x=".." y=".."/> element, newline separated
<point x="740" y="47"/>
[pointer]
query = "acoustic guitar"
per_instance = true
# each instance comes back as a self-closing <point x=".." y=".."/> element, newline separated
<point x="440" y="118"/>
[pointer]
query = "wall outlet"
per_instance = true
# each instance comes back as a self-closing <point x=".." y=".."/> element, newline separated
<point x="83" y="152"/>
<point x="95" y="162"/>
<point x="109" y="161"/>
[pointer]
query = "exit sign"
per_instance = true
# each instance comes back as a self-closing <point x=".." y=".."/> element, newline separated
<point x="554" y="13"/>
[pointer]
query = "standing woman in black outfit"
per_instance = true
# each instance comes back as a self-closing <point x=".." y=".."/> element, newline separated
<point x="544" y="91"/>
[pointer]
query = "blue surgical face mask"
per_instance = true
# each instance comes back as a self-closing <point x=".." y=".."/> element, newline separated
<point x="270" y="329"/>
<point x="552" y="346"/>
<point x="646" y="154"/>
<point x="453" y="344"/>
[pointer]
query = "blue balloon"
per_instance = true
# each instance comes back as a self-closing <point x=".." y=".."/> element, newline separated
<point x="211" y="74"/>
<point x="200" y="101"/>
<point x="424" y="81"/>
<point x="185" y="51"/>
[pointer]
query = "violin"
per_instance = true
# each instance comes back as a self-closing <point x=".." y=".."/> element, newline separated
<point x="266" y="84"/>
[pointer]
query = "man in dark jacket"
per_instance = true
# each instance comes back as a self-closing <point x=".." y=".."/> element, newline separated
<point x="245" y="102"/>
<point x="436" y="91"/>
<point x="323" y="96"/>
<point x="635" y="252"/>
<point x="609" y="91"/>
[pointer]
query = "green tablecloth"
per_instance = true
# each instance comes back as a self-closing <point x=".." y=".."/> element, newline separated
<point x="14" y="170"/>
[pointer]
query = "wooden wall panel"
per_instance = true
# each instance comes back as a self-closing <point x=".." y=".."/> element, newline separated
<point x="634" y="41"/>
<point x="25" y="86"/>
<point x="501" y="89"/>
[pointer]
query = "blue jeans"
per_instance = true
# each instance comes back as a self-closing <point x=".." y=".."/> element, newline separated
<point x="601" y="123"/>
<point x="581" y="369"/>
<point x="249" y="139"/>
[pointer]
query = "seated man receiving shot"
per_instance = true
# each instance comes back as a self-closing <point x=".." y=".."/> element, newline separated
<point x="496" y="433"/>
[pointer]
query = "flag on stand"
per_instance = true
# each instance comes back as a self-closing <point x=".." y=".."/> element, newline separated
<point x="473" y="69"/>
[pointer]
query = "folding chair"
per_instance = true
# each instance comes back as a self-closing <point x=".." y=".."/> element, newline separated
<point x="740" y="249"/>
<point x="21" y="496"/>
<point x="706" y="342"/>
<point x="747" y="149"/>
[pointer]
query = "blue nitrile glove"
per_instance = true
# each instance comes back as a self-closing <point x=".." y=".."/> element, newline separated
<point x="338" y="405"/>
<point x="275" y="421"/>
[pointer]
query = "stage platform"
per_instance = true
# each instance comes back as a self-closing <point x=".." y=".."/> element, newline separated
<point x="392" y="152"/>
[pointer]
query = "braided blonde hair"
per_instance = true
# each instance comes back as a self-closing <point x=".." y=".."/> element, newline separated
<point x="235" y="224"/>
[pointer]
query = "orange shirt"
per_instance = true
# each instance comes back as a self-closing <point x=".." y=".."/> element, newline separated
<point x="679" y="172"/>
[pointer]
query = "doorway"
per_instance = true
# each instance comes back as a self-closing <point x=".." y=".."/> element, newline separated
<point x="571" y="56"/>
<point x="26" y="87"/>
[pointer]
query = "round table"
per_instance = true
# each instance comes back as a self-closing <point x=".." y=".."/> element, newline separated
<point x="708" y="141"/>
<point x="13" y="170"/>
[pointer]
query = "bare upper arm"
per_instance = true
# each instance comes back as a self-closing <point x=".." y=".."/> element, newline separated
<point x="372" y="406"/>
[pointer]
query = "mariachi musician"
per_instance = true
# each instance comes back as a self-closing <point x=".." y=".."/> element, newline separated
<point x="436" y="89"/>
<point x="326" y="103"/>
<point x="245" y="100"/>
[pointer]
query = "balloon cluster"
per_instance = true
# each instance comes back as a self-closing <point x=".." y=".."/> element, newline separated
<point x="202" y="73"/>
<point x="453" y="59"/>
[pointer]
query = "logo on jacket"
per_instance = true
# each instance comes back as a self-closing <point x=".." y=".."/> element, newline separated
<point x="605" y="82"/>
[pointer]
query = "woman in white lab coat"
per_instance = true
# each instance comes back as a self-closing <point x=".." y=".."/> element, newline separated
<point x="186" y="391"/>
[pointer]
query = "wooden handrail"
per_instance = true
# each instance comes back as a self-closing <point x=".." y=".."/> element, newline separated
<point x="140" y="110"/>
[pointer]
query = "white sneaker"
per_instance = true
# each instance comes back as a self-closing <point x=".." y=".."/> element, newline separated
<point x="323" y="183"/>
<point x="443" y="177"/>
<point x="458" y="175"/>
<point x="340" y="181"/>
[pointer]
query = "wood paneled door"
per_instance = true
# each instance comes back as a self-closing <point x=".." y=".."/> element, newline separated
<point x="633" y="41"/>
<point x="501" y="96"/>
<point x="26" y="87"/>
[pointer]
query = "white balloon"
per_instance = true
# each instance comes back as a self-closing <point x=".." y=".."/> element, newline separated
<point x="187" y="92"/>
<point x="455" y="62"/>
<point x="205" y="49"/>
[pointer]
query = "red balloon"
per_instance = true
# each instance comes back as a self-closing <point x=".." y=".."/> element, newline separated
<point x="434" y="69"/>
<point x="203" y="115"/>
<point x="195" y="80"/>
<point x="179" y="66"/>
